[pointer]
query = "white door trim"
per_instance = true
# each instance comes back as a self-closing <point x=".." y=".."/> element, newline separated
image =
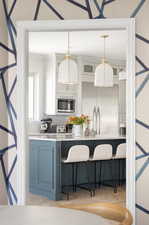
<point x="23" y="28"/>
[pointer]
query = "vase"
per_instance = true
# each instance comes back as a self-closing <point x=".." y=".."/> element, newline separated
<point x="86" y="130"/>
<point x="77" y="130"/>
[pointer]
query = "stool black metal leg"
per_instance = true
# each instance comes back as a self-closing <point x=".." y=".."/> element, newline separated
<point x="86" y="186"/>
<point x="67" y="195"/>
<point x="95" y="174"/>
<point x="100" y="173"/>
<point x="113" y="180"/>
<point x="73" y="182"/>
<point x="63" y="192"/>
<point x="92" y="192"/>
<point x="124" y="171"/>
<point x="119" y="169"/>
<point x="76" y="177"/>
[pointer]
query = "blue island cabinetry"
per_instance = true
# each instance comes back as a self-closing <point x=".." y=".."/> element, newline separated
<point x="47" y="173"/>
<point x="44" y="169"/>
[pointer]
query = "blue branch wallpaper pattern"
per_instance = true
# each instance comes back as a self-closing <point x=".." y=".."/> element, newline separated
<point x="93" y="9"/>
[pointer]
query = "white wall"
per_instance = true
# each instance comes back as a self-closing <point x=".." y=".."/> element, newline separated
<point x="3" y="109"/>
<point x="107" y="100"/>
<point x="25" y="10"/>
<point x="38" y="64"/>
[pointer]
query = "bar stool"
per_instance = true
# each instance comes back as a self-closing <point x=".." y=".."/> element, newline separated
<point x="101" y="153"/>
<point x="76" y="155"/>
<point x="120" y="154"/>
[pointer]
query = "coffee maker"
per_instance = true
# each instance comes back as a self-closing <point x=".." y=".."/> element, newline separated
<point x="46" y="126"/>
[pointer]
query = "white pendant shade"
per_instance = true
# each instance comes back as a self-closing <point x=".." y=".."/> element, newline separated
<point x="68" y="72"/>
<point x="103" y="75"/>
<point x="104" y="72"/>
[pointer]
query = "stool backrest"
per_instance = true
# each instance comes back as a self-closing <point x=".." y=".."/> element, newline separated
<point x="121" y="151"/>
<point x="78" y="153"/>
<point x="103" y="152"/>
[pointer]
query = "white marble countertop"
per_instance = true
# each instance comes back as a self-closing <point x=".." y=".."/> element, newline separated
<point x="69" y="137"/>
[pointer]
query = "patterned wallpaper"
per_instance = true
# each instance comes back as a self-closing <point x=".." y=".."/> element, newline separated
<point x="14" y="10"/>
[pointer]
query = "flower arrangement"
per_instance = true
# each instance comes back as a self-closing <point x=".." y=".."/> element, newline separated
<point x="78" y="120"/>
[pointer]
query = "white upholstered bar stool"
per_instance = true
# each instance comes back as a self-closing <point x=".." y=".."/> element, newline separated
<point x="120" y="155"/>
<point x="76" y="155"/>
<point x="101" y="153"/>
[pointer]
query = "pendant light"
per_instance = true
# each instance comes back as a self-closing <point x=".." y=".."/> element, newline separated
<point x="68" y="71"/>
<point x="104" y="71"/>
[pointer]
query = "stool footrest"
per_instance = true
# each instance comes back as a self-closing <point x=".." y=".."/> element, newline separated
<point x="91" y="190"/>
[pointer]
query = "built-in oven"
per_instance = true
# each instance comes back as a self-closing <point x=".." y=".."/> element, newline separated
<point x="65" y="105"/>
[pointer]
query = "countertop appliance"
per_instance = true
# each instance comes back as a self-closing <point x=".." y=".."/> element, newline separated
<point x="64" y="128"/>
<point x="66" y="105"/>
<point x="46" y="126"/>
<point x="61" y="129"/>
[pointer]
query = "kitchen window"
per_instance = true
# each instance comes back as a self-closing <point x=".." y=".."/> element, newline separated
<point x="33" y="96"/>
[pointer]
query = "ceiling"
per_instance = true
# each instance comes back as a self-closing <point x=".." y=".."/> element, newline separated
<point x="87" y="43"/>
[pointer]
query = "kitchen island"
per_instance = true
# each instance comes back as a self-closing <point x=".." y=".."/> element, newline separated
<point x="47" y="172"/>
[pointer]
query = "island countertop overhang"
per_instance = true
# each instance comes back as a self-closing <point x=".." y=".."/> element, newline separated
<point x="72" y="138"/>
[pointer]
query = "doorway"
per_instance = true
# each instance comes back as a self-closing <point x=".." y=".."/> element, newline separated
<point x="76" y="26"/>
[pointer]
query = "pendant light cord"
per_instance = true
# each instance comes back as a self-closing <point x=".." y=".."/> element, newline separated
<point x="104" y="57"/>
<point x="104" y="48"/>
<point x="68" y="56"/>
<point x="68" y="44"/>
<point x="104" y="37"/>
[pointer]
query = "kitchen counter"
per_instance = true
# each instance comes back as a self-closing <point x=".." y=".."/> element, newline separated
<point x="67" y="137"/>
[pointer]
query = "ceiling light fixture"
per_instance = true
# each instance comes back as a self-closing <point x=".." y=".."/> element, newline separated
<point x="104" y="71"/>
<point x="68" y="70"/>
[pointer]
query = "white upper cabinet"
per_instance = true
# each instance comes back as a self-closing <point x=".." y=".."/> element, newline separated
<point x="55" y="90"/>
<point x="86" y="70"/>
<point x="51" y="85"/>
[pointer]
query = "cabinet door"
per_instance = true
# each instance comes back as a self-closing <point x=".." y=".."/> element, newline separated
<point x="42" y="165"/>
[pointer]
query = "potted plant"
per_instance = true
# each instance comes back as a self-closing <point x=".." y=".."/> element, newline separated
<point x="77" y="122"/>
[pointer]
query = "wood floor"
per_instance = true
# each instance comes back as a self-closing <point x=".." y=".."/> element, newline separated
<point x="104" y="194"/>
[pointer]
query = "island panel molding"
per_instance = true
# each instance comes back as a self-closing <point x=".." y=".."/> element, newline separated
<point x="13" y="11"/>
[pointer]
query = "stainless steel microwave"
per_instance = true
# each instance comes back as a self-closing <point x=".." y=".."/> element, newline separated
<point x="65" y="105"/>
